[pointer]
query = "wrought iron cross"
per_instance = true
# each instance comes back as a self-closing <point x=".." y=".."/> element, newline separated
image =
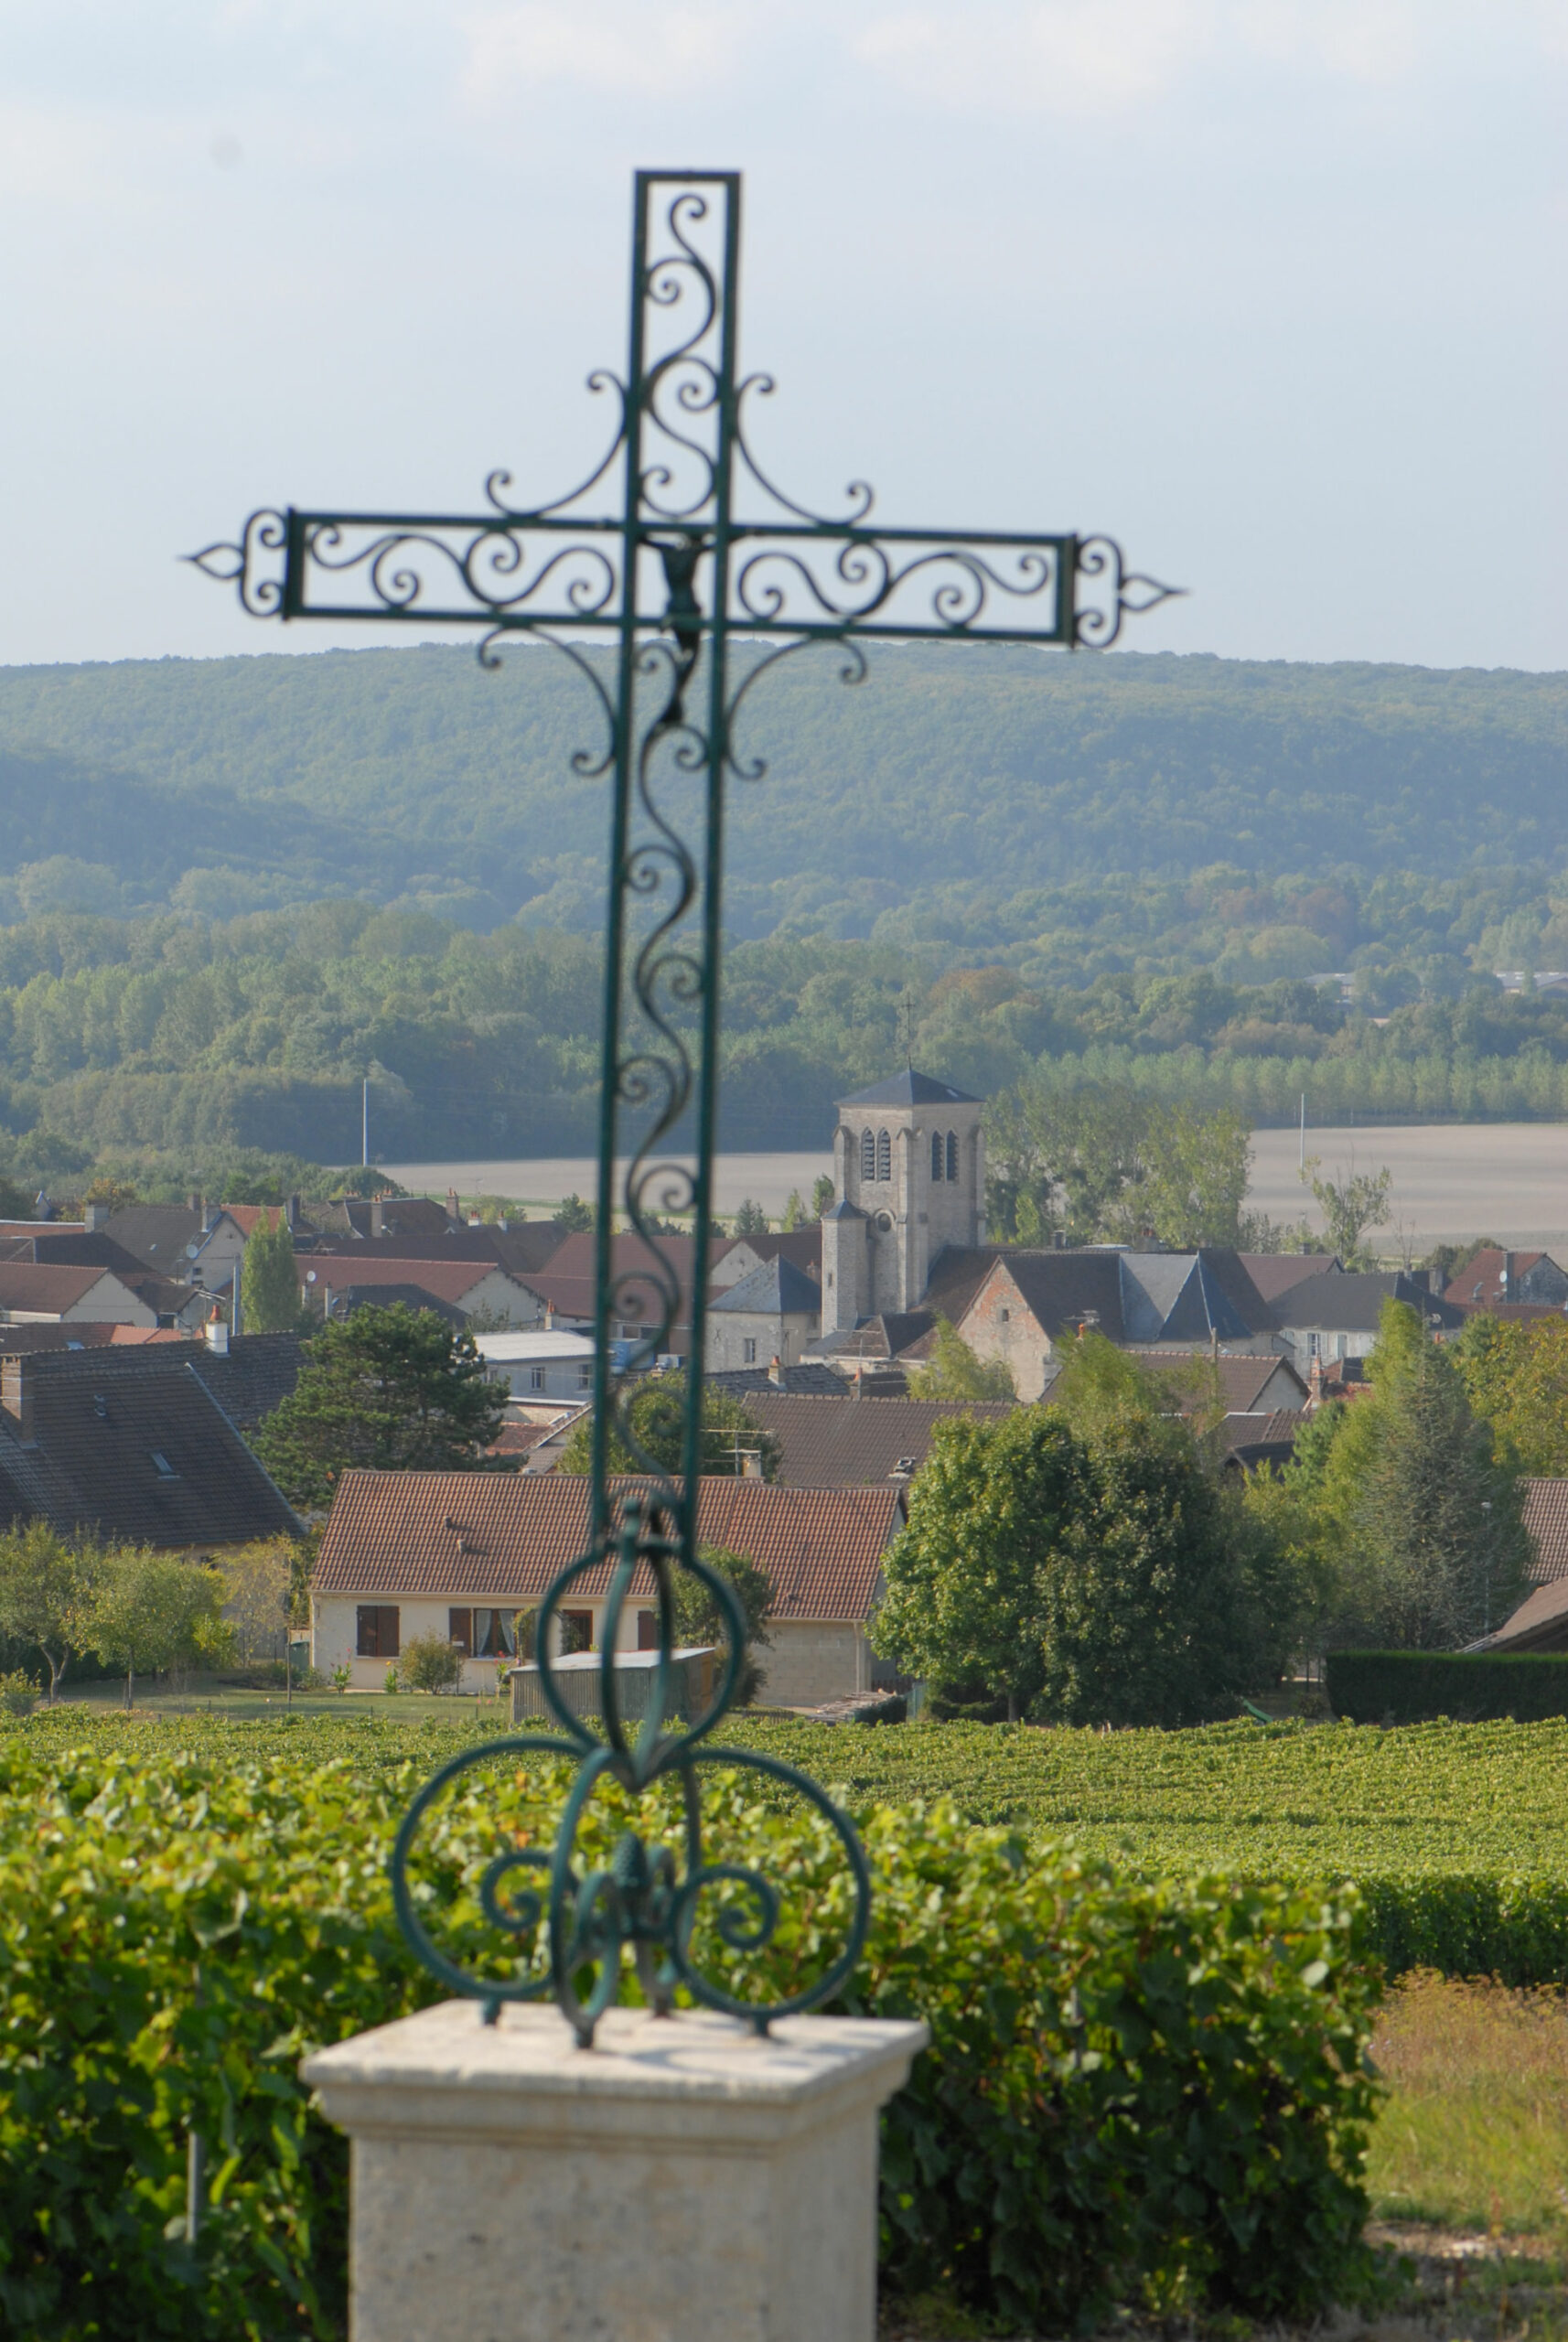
<point x="705" y="576"/>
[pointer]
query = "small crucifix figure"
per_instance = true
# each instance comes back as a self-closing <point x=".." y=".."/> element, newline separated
<point x="702" y="575"/>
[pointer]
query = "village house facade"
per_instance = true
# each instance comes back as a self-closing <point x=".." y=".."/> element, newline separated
<point x="463" y="1554"/>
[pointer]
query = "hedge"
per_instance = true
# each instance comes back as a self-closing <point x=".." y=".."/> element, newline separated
<point x="1145" y="2092"/>
<point x="1418" y="1686"/>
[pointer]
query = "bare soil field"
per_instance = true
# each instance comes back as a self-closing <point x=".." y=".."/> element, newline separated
<point x="1451" y="1180"/>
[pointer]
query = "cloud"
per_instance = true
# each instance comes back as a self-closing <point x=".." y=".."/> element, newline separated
<point x="1066" y="56"/>
<point x="621" y="47"/>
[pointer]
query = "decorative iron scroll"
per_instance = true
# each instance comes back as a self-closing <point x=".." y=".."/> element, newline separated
<point x="669" y="579"/>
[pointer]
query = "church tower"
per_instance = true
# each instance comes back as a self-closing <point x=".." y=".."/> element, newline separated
<point x="909" y="1175"/>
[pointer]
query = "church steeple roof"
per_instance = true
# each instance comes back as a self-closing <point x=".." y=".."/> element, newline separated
<point x="910" y="1089"/>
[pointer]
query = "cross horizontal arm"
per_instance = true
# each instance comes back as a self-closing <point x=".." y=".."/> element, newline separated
<point x="806" y="578"/>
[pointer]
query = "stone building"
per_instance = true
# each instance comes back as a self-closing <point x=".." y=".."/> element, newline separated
<point x="909" y="1175"/>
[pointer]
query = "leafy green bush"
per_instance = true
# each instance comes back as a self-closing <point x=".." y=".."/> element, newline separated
<point x="428" y="1663"/>
<point x="1135" y="2091"/>
<point x="1418" y="1686"/>
<point x="19" y="1693"/>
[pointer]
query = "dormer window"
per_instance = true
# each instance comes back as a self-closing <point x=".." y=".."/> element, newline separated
<point x="161" y="1465"/>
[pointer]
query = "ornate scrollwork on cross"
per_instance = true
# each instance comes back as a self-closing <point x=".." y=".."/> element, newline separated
<point x="702" y="547"/>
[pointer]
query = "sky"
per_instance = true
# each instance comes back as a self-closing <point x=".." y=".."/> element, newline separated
<point x="1271" y="290"/>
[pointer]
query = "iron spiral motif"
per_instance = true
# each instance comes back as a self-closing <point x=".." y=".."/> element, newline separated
<point x="667" y="581"/>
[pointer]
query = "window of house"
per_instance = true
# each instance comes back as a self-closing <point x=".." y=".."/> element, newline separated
<point x="883" y="1156"/>
<point x="868" y="1155"/>
<point x="748" y="1353"/>
<point x="576" y="1631"/>
<point x="953" y="1155"/>
<point x="376" y="1630"/>
<point x="1005" y="1315"/>
<point x="585" y="1375"/>
<point x="460" y="1629"/>
<point x="536" y="1378"/>
<point x="648" y="1630"/>
<point x="495" y="1634"/>
<point x="936" y="1155"/>
<point x="1313" y="1341"/>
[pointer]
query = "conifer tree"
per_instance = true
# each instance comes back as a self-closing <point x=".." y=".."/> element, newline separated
<point x="269" y="1278"/>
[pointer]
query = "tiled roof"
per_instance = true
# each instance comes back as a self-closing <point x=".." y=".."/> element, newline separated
<point x="505" y="1535"/>
<point x="1352" y="1302"/>
<point x="1059" y="1288"/>
<point x="256" y="1374"/>
<point x="778" y="1289"/>
<point x="1242" y="1381"/>
<point x="808" y="1378"/>
<point x="1274" y="1273"/>
<point x="448" y="1280"/>
<point x="910" y="1089"/>
<point x="50" y="1287"/>
<point x="1252" y="1438"/>
<point x="524" y="1246"/>
<point x="83" y="1333"/>
<point x="79" y="1248"/>
<point x="1481" y="1279"/>
<point x="354" y="1293"/>
<point x="868" y="1443"/>
<point x="1546" y="1518"/>
<point x="1541" y="1622"/>
<point x="802" y="1246"/>
<point x="96" y="1440"/>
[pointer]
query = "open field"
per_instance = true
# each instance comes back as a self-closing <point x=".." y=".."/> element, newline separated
<point x="1451" y="1180"/>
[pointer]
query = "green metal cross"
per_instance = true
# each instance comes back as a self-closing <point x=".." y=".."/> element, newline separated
<point x="704" y="553"/>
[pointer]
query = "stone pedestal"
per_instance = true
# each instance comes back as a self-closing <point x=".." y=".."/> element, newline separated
<point x="683" y="2181"/>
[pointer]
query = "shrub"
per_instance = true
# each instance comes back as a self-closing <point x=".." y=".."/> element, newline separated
<point x="19" y="1693"/>
<point x="1418" y="1686"/>
<point x="1149" y="2092"/>
<point x="429" y="1663"/>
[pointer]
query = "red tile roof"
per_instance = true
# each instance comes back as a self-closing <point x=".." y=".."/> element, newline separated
<point x="1242" y="1381"/>
<point x="846" y="1443"/>
<point x="504" y="1536"/>
<point x="448" y="1280"/>
<point x="1546" y="1518"/>
<point x="1481" y="1278"/>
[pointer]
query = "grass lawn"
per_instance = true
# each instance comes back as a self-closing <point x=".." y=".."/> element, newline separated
<point x="205" y="1696"/>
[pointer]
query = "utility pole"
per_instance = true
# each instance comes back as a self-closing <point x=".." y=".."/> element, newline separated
<point x="1304" y="1134"/>
<point x="365" y="1123"/>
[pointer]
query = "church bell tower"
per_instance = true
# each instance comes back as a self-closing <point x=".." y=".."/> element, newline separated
<point x="910" y="1176"/>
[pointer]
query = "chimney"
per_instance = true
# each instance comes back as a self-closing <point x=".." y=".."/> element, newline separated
<point x="776" y="1374"/>
<point x="751" y="1466"/>
<point x="193" y="1203"/>
<point x="1509" y="1294"/>
<point x="550" y="1316"/>
<point x="217" y="1332"/>
<point x="378" y="1217"/>
<point x="454" y="1209"/>
<point x="94" y="1217"/>
<point x="17" y="1397"/>
<point x="1315" y="1383"/>
<point x="209" y="1218"/>
<point x="291" y="1213"/>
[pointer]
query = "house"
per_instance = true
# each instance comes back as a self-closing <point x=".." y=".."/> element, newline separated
<point x="1030" y="1303"/>
<point x="416" y="1229"/>
<point x="1248" y="1385"/>
<point x="1495" y="1276"/>
<point x="644" y="1270"/>
<point x="465" y="1288"/>
<point x="811" y="1379"/>
<point x="774" y="1312"/>
<point x="196" y="1242"/>
<point x="544" y="1365"/>
<point x="107" y="1441"/>
<point x="248" y="1374"/>
<point x="1541" y="1622"/>
<point x="459" y="1554"/>
<point x="1258" y="1437"/>
<point x="801" y="1247"/>
<point x="38" y="1291"/>
<point x="846" y="1443"/>
<point x="1336" y="1315"/>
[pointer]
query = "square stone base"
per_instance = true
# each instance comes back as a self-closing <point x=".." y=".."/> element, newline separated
<point x="682" y="2179"/>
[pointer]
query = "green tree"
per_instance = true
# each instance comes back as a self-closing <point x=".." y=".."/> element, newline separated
<point x="953" y="1372"/>
<point x="389" y="1391"/>
<point x="699" y="1619"/>
<point x="149" y="1612"/>
<point x="750" y="1220"/>
<point x="47" y="1584"/>
<point x="1425" y="1515"/>
<point x="1516" y="1378"/>
<point x="1349" y="1208"/>
<point x="269" y="1278"/>
<point x="823" y="1196"/>
<point x="573" y="1215"/>
<point x="732" y="1438"/>
<point x="990" y="1513"/>
<point x="796" y="1214"/>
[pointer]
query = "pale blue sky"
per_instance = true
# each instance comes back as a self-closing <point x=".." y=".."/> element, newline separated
<point x="1271" y="289"/>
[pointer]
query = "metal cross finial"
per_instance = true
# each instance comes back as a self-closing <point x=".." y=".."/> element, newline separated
<point x="702" y="578"/>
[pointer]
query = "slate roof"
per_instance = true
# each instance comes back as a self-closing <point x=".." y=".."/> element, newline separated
<point x="808" y="1378"/>
<point x="506" y="1535"/>
<point x="92" y="1457"/>
<point x="80" y="1248"/>
<point x="85" y="1333"/>
<point x="1061" y="1288"/>
<point x="868" y="1443"/>
<point x="158" y="1234"/>
<point x="778" y="1289"/>
<point x="1546" y="1518"/>
<point x="910" y="1089"/>
<point x="804" y="1246"/>
<point x="1252" y="1437"/>
<point x="257" y="1373"/>
<point x="1351" y="1301"/>
<point x="356" y="1294"/>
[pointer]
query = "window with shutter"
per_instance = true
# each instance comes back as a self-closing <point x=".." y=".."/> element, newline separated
<point x="376" y="1630"/>
<point x="648" y="1630"/>
<point x="460" y="1629"/>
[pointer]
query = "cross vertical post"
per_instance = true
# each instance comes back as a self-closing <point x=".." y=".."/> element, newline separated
<point x="705" y="549"/>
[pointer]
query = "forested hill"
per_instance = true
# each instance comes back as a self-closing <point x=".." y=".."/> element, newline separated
<point x="941" y="796"/>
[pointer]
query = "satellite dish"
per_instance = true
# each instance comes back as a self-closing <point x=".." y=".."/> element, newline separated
<point x="310" y="1276"/>
<point x="191" y="1250"/>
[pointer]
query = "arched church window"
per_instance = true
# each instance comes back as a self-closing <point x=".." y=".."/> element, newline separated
<point x="936" y="1155"/>
<point x="868" y="1155"/>
<point x="953" y="1155"/>
<point x="883" y="1156"/>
